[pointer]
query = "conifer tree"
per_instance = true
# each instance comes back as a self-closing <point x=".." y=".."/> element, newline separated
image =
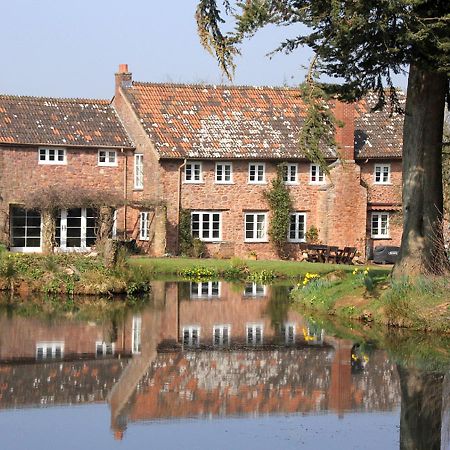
<point x="363" y="43"/>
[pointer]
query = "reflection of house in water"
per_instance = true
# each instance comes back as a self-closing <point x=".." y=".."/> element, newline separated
<point x="221" y="351"/>
<point x="60" y="361"/>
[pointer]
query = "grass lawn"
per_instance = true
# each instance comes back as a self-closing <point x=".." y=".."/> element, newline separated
<point x="291" y="269"/>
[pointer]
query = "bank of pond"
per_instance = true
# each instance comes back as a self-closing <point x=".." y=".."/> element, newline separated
<point x="360" y="293"/>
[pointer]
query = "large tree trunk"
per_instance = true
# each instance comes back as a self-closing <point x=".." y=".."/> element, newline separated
<point x="422" y="249"/>
<point x="48" y="231"/>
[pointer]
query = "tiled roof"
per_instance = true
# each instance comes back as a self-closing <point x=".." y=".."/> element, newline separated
<point x="378" y="134"/>
<point x="56" y="121"/>
<point x="197" y="121"/>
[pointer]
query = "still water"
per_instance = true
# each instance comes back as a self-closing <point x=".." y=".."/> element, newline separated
<point x="217" y="366"/>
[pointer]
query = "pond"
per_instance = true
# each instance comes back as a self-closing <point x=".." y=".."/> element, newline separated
<point x="217" y="365"/>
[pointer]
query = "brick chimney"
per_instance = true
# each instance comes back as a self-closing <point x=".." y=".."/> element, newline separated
<point x="345" y="136"/>
<point x="123" y="77"/>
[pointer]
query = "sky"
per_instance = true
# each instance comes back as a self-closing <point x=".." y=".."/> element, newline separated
<point x="67" y="48"/>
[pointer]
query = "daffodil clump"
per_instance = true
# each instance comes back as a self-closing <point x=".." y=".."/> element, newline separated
<point x="310" y="277"/>
<point x="358" y="271"/>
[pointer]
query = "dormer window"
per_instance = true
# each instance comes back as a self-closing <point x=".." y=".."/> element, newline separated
<point x="107" y="158"/>
<point x="52" y="156"/>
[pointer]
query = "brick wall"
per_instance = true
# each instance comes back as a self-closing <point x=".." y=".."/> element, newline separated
<point x="23" y="174"/>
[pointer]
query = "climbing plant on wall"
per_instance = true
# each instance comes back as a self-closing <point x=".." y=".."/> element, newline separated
<point x="280" y="204"/>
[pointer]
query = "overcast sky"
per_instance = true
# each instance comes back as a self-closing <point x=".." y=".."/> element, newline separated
<point x="71" y="48"/>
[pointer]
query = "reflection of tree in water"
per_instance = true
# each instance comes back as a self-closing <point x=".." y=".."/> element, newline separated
<point x="421" y="410"/>
<point x="278" y="306"/>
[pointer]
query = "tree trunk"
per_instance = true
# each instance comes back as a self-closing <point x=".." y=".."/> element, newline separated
<point x="48" y="231"/>
<point x="422" y="249"/>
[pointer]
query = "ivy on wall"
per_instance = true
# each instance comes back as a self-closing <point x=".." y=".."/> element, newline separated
<point x="280" y="204"/>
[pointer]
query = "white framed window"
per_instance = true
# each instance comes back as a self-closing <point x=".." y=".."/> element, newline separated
<point x="297" y="227"/>
<point x="144" y="225"/>
<point x="316" y="174"/>
<point x="255" y="227"/>
<point x="206" y="289"/>
<point x="290" y="173"/>
<point x="224" y="173"/>
<point x="206" y="226"/>
<point x="50" y="350"/>
<point x="288" y="332"/>
<point x="257" y="173"/>
<point x="138" y="171"/>
<point x="25" y="226"/>
<point x="193" y="172"/>
<point x="191" y="336"/>
<point x="380" y="225"/>
<point x="52" y="155"/>
<point x="254" y="333"/>
<point x="104" y="348"/>
<point x="221" y="335"/>
<point x="136" y="331"/>
<point x="255" y="290"/>
<point x="107" y="158"/>
<point x="382" y="174"/>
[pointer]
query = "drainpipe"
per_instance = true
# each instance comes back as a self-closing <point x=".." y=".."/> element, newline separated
<point x="179" y="204"/>
<point x="125" y="194"/>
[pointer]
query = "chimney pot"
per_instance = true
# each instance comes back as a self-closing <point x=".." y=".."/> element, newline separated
<point x="123" y="68"/>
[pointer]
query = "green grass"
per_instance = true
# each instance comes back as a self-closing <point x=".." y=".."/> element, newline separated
<point x="288" y="269"/>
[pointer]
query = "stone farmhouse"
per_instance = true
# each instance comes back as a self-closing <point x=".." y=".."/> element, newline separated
<point x="158" y="150"/>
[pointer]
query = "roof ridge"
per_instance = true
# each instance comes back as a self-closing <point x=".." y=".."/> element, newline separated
<point x="215" y="86"/>
<point x="60" y="99"/>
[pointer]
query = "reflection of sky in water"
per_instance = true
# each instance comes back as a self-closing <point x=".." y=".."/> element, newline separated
<point x="87" y="427"/>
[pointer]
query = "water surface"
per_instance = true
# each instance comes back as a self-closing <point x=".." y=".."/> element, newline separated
<point x="216" y="365"/>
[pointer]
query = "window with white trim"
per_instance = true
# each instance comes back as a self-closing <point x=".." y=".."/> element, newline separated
<point x="255" y="227"/>
<point x="104" y="348"/>
<point x="382" y="174"/>
<point x="191" y="336"/>
<point x="193" y="172"/>
<point x="206" y="226"/>
<point x="206" y="289"/>
<point x="316" y="174"/>
<point x="144" y="224"/>
<point x="255" y="290"/>
<point x="314" y="334"/>
<point x="256" y="173"/>
<point x="25" y="229"/>
<point x="224" y="173"/>
<point x="221" y="335"/>
<point x="290" y="173"/>
<point x="49" y="350"/>
<point x="297" y="227"/>
<point x="107" y="158"/>
<point x="380" y="225"/>
<point x="136" y="331"/>
<point x="52" y="156"/>
<point x="288" y="332"/>
<point x="138" y="171"/>
<point x="254" y="333"/>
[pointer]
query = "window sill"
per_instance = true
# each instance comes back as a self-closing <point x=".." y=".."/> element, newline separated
<point x="107" y="165"/>
<point x="386" y="238"/>
<point x="224" y="182"/>
<point x="58" y="163"/>
<point x="138" y="189"/>
<point x="257" y="182"/>
<point x="247" y="241"/>
<point x="296" y="241"/>
<point x="193" y="182"/>
<point x="381" y="184"/>
<point x="291" y="183"/>
<point x="317" y="183"/>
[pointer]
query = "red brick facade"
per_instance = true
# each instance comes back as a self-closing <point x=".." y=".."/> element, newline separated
<point x="170" y="125"/>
